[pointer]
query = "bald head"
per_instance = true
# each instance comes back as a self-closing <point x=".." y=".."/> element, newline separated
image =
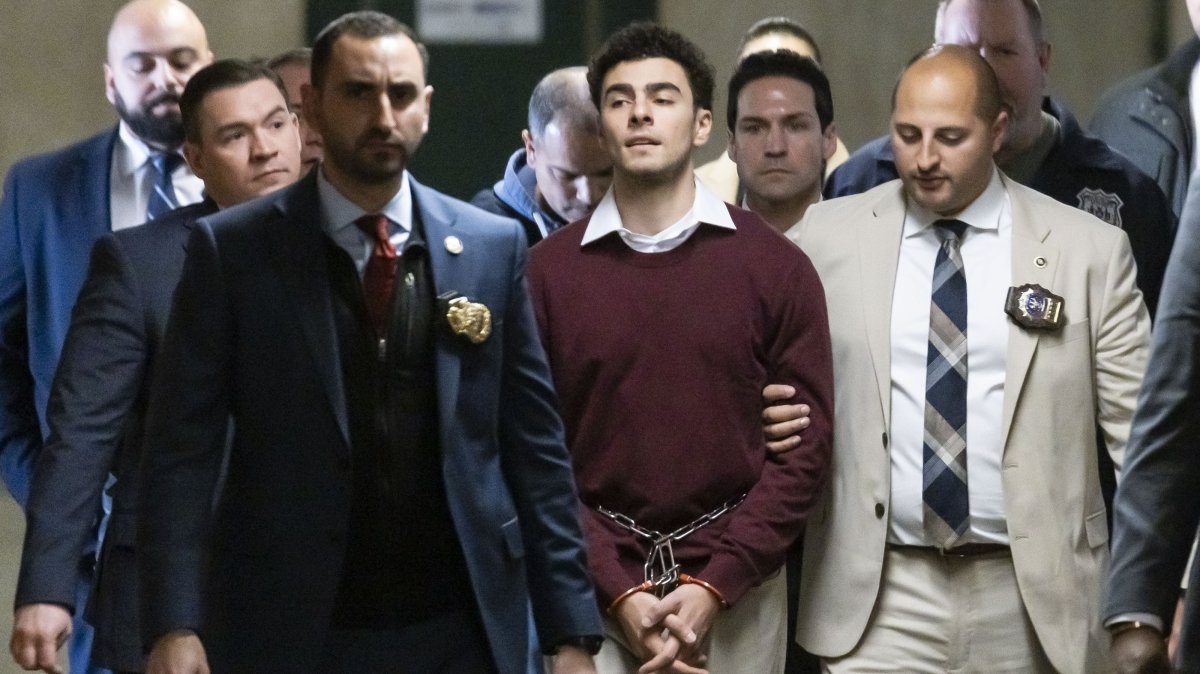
<point x="562" y="145"/>
<point x="966" y="69"/>
<point x="154" y="18"/>
<point x="562" y="97"/>
<point x="154" y="47"/>
<point x="947" y="124"/>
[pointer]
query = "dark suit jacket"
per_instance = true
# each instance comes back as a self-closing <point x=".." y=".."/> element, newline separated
<point x="252" y="334"/>
<point x="96" y="416"/>
<point x="54" y="208"/>
<point x="1157" y="506"/>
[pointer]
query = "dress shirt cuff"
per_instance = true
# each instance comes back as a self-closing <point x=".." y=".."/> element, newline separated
<point x="1147" y="619"/>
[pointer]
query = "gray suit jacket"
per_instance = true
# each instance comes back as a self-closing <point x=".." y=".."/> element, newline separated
<point x="1157" y="507"/>
<point x="1058" y="386"/>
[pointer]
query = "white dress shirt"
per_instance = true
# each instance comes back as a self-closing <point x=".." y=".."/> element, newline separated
<point x="339" y="213"/>
<point x="707" y="208"/>
<point x="986" y="250"/>
<point x="131" y="180"/>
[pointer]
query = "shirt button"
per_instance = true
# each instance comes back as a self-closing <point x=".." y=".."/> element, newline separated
<point x="879" y="510"/>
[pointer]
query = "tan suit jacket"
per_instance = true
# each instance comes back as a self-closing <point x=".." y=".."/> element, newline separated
<point x="1058" y="386"/>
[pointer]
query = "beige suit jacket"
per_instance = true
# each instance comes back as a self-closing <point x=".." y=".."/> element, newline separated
<point x="1058" y="386"/>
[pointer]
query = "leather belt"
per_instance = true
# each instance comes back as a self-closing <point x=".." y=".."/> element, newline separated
<point x="959" y="551"/>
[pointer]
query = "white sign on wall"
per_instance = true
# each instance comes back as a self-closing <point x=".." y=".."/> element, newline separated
<point x="480" y="21"/>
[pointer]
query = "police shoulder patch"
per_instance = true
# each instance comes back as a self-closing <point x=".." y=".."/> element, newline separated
<point x="1103" y="205"/>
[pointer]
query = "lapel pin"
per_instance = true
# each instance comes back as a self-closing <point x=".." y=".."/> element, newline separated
<point x="1039" y="262"/>
<point x="453" y="245"/>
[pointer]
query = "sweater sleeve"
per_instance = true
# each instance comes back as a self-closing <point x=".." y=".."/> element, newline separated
<point x="799" y="354"/>
<point x="604" y="542"/>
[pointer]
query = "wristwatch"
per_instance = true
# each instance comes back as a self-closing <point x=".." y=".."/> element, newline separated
<point x="589" y="643"/>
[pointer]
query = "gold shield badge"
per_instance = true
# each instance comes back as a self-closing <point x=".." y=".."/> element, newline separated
<point x="1034" y="307"/>
<point x="469" y="319"/>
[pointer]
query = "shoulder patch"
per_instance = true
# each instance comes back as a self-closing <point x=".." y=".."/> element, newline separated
<point x="1103" y="205"/>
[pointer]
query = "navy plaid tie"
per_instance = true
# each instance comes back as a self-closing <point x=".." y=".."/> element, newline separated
<point x="944" y="488"/>
<point x="162" y="197"/>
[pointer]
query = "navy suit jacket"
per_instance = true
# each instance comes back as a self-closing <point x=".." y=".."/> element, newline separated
<point x="54" y="208"/>
<point x="252" y="333"/>
<point x="96" y="416"/>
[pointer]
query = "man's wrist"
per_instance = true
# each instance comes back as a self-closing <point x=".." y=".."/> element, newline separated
<point x="692" y="580"/>
<point x="612" y="608"/>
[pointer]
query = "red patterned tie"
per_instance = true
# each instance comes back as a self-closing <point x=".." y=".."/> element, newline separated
<point x="380" y="275"/>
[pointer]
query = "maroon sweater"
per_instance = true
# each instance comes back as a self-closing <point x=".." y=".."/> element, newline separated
<point x="659" y="361"/>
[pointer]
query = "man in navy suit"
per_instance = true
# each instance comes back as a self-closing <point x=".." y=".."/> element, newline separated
<point x="397" y="494"/>
<point x="56" y="205"/>
<point x="243" y="141"/>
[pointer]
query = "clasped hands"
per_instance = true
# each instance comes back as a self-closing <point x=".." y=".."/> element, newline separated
<point x="668" y="634"/>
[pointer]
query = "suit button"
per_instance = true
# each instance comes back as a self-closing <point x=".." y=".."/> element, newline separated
<point x="879" y="510"/>
<point x="337" y="536"/>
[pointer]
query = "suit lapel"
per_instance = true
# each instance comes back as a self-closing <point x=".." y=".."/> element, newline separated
<point x="449" y="271"/>
<point x="98" y="162"/>
<point x="1033" y="261"/>
<point x="879" y="254"/>
<point x="299" y="253"/>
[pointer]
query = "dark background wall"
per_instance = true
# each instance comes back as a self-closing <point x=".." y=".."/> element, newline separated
<point x="480" y="92"/>
<point x="52" y="51"/>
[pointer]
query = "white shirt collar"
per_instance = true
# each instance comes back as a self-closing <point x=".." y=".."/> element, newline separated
<point x="338" y="212"/>
<point x="707" y="208"/>
<point x="983" y="213"/>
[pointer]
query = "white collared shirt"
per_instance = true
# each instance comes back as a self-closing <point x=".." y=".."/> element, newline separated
<point x="987" y="259"/>
<point x="131" y="180"/>
<point x="339" y="213"/>
<point x="707" y="208"/>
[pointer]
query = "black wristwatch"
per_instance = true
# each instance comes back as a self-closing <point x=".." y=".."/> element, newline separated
<point x="590" y="643"/>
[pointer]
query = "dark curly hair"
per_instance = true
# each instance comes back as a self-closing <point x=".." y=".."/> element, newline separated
<point x="644" y="40"/>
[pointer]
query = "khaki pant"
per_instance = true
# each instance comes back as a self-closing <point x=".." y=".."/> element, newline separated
<point x="747" y="638"/>
<point x="944" y="614"/>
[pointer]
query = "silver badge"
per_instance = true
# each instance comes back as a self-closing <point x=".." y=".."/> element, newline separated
<point x="1103" y="205"/>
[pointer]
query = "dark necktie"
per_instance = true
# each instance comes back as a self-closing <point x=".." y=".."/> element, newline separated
<point x="380" y="275"/>
<point x="162" y="197"/>
<point x="944" y="488"/>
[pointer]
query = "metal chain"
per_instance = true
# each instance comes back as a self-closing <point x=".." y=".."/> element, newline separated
<point x="660" y="569"/>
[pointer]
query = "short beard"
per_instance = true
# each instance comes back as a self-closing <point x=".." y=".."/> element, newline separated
<point x="159" y="131"/>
